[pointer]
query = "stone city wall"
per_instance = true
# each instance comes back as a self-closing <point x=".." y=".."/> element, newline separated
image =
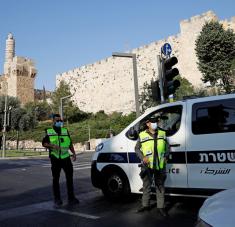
<point x="108" y="84"/>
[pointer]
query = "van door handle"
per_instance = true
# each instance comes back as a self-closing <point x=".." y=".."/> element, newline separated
<point x="175" y="145"/>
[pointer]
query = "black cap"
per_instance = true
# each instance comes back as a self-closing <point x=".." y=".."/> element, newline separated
<point x="56" y="115"/>
<point x="153" y="119"/>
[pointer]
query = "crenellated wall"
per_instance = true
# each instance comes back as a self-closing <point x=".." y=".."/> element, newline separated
<point x="108" y="84"/>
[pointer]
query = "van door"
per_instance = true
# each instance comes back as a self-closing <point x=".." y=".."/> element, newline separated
<point x="173" y="122"/>
<point x="173" y="118"/>
<point x="211" y="144"/>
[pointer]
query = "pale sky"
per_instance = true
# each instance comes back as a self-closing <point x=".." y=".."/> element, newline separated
<point x="65" y="34"/>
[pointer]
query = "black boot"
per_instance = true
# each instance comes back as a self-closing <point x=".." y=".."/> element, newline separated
<point x="73" y="201"/>
<point x="162" y="212"/>
<point x="58" y="203"/>
<point x="142" y="209"/>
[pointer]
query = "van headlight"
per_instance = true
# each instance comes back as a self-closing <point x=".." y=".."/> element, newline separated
<point x="99" y="147"/>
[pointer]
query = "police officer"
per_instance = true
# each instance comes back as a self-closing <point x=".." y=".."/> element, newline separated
<point x="58" y="141"/>
<point x="152" y="149"/>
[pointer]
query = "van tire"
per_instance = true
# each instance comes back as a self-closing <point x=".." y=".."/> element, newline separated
<point x="116" y="186"/>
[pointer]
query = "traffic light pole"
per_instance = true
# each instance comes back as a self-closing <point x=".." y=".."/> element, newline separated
<point x="160" y="74"/>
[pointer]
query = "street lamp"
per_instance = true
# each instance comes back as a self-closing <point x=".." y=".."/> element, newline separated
<point x="9" y="115"/>
<point x="61" y="104"/>
<point x="133" y="56"/>
<point x="4" y="128"/>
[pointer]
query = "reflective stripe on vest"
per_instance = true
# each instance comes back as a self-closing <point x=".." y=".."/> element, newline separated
<point x="147" y="148"/>
<point x="63" y="140"/>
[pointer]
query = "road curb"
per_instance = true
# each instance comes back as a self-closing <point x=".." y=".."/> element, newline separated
<point x="41" y="156"/>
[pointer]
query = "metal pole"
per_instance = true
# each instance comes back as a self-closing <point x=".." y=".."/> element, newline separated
<point x="61" y="104"/>
<point x="160" y="74"/>
<point x="61" y="108"/>
<point x="4" y="129"/>
<point x="137" y="103"/>
<point x="136" y="89"/>
<point x="89" y="133"/>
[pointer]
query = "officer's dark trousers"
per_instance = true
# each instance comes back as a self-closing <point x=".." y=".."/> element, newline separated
<point x="159" y="180"/>
<point x="56" y="166"/>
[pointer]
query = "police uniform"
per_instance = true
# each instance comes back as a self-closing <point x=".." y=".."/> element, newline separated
<point x="60" y="159"/>
<point x="155" y="147"/>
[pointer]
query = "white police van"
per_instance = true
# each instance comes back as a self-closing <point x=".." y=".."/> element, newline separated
<point x="201" y="134"/>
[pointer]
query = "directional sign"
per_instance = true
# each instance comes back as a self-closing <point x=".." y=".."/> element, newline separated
<point x="166" y="49"/>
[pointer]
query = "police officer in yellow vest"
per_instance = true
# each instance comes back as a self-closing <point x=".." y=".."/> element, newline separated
<point x="58" y="141"/>
<point x="152" y="149"/>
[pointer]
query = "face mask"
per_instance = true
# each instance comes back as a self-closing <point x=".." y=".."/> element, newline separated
<point x="59" y="124"/>
<point x="154" y="126"/>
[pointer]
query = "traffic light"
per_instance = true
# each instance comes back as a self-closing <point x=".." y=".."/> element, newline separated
<point x="155" y="90"/>
<point x="169" y="84"/>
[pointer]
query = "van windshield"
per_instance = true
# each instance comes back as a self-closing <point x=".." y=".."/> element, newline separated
<point x="170" y="119"/>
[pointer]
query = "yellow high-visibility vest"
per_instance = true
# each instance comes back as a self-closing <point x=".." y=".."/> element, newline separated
<point x="147" y="148"/>
<point x="63" y="140"/>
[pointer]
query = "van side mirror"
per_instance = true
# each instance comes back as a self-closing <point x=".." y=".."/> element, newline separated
<point x="132" y="134"/>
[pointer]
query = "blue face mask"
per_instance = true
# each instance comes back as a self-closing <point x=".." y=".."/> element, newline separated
<point x="59" y="124"/>
<point x="154" y="126"/>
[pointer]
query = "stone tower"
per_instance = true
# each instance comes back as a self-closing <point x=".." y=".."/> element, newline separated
<point x="19" y="74"/>
<point x="9" y="53"/>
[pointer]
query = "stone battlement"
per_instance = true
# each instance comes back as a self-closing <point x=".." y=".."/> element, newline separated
<point x="108" y="84"/>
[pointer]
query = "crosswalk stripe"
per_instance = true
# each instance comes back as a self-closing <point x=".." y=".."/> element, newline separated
<point x="48" y="205"/>
<point x="77" y="168"/>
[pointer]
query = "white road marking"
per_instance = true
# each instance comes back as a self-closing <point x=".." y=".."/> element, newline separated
<point x="48" y="205"/>
<point x="88" y="216"/>
<point x="85" y="167"/>
<point x="76" y="165"/>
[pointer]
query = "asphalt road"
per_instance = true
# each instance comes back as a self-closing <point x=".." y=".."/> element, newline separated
<point x="26" y="200"/>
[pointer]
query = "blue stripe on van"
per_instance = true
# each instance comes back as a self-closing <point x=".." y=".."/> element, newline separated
<point x="120" y="157"/>
<point x="114" y="157"/>
<point x="176" y="157"/>
<point x="133" y="158"/>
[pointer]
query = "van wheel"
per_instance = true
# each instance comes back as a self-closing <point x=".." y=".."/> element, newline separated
<point x="116" y="186"/>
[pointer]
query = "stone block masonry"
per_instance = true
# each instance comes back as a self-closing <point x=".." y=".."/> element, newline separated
<point x="108" y="84"/>
<point x="19" y="74"/>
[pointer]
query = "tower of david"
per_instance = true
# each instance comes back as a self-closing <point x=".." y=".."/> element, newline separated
<point x="108" y="84"/>
<point x="19" y="74"/>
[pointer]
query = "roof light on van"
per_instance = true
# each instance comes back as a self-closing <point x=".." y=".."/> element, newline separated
<point x="99" y="147"/>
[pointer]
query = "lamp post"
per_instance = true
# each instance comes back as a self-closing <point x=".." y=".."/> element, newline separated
<point x="61" y="104"/>
<point x="4" y="128"/>
<point x="133" y="56"/>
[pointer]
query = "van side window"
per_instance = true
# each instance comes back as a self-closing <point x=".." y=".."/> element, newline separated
<point x="170" y="119"/>
<point x="213" y="117"/>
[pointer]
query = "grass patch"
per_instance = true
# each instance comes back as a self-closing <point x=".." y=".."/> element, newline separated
<point x="23" y="153"/>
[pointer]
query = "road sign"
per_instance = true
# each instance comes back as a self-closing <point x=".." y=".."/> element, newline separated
<point x="166" y="49"/>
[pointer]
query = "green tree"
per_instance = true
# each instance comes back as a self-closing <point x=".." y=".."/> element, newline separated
<point x="146" y="97"/>
<point x="71" y="112"/>
<point x="215" y="49"/>
<point x="17" y="117"/>
<point x="61" y="91"/>
<point x="185" y="89"/>
<point x="40" y="110"/>
<point x="12" y="104"/>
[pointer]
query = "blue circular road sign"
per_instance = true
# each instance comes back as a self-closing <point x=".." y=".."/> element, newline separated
<point x="166" y="49"/>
